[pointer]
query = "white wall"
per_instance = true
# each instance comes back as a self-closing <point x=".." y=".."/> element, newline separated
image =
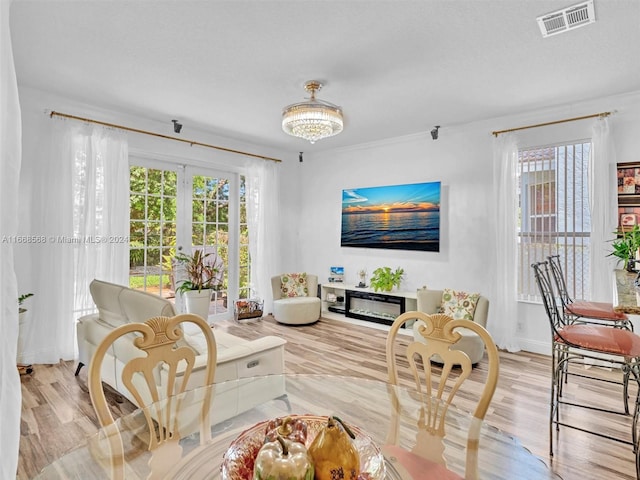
<point x="311" y="191"/>
<point x="462" y="159"/>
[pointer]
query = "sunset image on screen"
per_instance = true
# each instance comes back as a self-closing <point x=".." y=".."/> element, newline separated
<point x="405" y="217"/>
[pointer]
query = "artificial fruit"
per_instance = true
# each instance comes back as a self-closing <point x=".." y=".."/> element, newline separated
<point x="333" y="453"/>
<point x="283" y="460"/>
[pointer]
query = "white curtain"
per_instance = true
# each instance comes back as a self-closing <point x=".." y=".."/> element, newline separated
<point x="503" y="321"/>
<point x="10" y="159"/>
<point x="81" y="208"/>
<point x="603" y="208"/>
<point x="262" y="184"/>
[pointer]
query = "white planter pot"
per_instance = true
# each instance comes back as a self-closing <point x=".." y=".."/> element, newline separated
<point x="198" y="302"/>
<point x="22" y="321"/>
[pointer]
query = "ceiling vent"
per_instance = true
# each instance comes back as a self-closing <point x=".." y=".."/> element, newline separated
<point x="567" y="19"/>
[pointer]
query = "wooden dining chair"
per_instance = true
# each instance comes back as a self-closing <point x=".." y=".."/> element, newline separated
<point x="584" y="311"/>
<point x="437" y="385"/>
<point x="572" y="343"/>
<point x="155" y="348"/>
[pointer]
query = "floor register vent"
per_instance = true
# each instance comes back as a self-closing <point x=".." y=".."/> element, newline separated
<point x="567" y="19"/>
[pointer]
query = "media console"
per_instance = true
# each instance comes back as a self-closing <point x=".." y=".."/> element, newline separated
<point x="364" y="303"/>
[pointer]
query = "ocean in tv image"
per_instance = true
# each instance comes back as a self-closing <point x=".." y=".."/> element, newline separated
<point x="402" y="217"/>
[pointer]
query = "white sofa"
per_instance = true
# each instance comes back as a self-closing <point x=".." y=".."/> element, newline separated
<point x="237" y="358"/>
<point x="430" y="301"/>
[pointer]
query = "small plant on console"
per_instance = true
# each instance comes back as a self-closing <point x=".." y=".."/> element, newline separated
<point x="385" y="279"/>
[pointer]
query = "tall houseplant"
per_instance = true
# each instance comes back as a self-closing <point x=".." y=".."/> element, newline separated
<point x="200" y="275"/>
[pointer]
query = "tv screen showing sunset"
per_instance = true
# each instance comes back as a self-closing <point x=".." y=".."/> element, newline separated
<point x="402" y="217"/>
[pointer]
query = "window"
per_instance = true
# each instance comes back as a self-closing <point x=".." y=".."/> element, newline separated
<point x="553" y="215"/>
<point x="153" y="216"/>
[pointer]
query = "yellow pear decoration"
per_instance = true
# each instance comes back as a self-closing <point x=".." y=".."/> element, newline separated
<point x="333" y="453"/>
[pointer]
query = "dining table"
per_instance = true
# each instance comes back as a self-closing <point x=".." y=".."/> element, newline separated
<point x="222" y="430"/>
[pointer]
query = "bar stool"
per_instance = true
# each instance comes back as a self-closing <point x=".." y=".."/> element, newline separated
<point x="573" y="342"/>
<point x="584" y="311"/>
<point x="587" y="312"/>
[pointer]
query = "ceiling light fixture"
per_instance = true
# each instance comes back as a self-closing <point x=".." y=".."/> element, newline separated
<point x="313" y="119"/>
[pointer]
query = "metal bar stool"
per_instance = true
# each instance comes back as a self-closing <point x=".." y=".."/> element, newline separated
<point x="584" y="311"/>
<point x="573" y="342"/>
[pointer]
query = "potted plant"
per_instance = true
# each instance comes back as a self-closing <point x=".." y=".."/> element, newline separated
<point x="22" y="368"/>
<point x="625" y="247"/>
<point x="21" y="299"/>
<point x="202" y="274"/>
<point x="385" y="279"/>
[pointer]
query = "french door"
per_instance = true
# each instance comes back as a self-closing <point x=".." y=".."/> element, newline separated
<point x="178" y="208"/>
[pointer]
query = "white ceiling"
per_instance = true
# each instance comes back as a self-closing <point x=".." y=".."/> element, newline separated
<point x="396" y="67"/>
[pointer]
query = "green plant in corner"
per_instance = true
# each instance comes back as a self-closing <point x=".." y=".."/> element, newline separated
<point x="385" y="279"/>
<point x="625" y="246"/>
<point x="21" y="300"/>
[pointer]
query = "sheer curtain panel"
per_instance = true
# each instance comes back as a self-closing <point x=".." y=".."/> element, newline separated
<point x="604" y="211"/>
<point x="10" y="159"/>
<point x="81" y="206"/>
<point x="503" y="323"/>
<point x="262" y="181"/>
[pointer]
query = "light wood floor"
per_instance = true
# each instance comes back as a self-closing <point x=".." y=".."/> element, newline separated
<point x="57" y="413"/>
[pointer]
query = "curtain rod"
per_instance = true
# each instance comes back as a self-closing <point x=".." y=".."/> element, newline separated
<point x="603" y="114"/>
<point x="153" y="134"/>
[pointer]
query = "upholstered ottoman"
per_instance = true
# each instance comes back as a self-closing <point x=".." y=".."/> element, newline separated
<point x="302" y="309"/>
<point x="297" y="310"/>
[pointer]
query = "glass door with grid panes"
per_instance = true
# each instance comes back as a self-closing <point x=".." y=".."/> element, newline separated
<point x="153" y="202"/>
<point x="211" y="214"/>
<point x="179" y="209"/>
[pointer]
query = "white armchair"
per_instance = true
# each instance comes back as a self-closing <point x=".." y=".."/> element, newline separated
<point x="300" y="307"/>
<point x="430" y="301"/>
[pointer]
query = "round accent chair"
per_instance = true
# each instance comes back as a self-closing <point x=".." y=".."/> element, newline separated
<point x="294" y="300"/>
<point x="431" y="301"/>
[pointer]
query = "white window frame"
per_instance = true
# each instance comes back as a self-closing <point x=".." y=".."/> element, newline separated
<point x="571" y="236"/>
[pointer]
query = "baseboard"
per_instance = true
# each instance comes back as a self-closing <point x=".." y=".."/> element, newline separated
<point x="535" y="346"/>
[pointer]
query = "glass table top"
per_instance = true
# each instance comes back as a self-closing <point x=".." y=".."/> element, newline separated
<point x="386" y="414"/>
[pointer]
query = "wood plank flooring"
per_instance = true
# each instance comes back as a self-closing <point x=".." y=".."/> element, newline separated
<point x="57" y="412"/>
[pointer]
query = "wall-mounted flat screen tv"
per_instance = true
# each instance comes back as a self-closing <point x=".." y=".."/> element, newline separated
<point x="401" y="217"/>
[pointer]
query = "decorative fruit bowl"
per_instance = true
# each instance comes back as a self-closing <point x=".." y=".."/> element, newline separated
<point x="239" y="458"/>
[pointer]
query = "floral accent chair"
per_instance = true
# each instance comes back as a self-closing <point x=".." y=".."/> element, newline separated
<point x="295" y="300"/>
<point x="458" y="305"/>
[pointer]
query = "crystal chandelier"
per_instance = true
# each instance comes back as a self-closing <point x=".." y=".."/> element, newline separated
<point x="314" y="119"/>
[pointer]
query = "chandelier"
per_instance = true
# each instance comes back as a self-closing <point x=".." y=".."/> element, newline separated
<point x="314" y="119"/>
